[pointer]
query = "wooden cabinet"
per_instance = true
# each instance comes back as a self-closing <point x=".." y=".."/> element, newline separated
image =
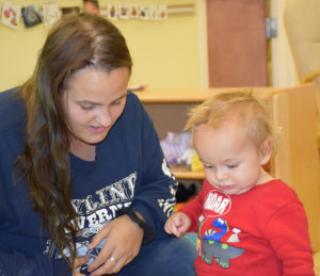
<point x="237" y="44"/>
<point x="293" y="111"/>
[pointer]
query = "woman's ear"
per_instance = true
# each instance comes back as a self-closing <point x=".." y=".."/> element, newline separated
<point x="265" y="151"/>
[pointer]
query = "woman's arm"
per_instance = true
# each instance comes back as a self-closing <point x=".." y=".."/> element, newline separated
<point x="155" y="195"/>
<point x="16" y="263"/>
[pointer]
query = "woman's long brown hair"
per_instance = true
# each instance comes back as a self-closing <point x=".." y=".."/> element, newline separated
<point x="74" y="43"/>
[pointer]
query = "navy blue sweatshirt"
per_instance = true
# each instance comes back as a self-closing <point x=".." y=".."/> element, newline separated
<point x="129" y="171"/>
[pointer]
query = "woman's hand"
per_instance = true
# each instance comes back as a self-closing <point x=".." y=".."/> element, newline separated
<point x="77" y="263"/>
<point x="177" y="224"/>
<point x="123" y="242"/>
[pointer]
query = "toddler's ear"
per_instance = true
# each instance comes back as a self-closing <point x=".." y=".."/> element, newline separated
<point x="265" y="151"/>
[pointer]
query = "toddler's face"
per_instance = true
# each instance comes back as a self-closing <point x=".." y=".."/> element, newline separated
<point x="232" y="162"/>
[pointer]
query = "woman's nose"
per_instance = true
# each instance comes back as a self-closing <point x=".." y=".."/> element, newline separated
<point x="104" y="118"/>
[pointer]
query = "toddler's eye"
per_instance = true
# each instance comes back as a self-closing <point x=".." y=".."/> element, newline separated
<point x="208" y="166"/>
<point x="232" y="166"/>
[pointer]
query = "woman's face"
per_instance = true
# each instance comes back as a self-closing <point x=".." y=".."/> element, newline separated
<point x="93" y="101"/>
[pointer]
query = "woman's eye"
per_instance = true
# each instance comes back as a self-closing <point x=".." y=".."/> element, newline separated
<point x="86" y="106"/>
<point x="116" y="102"/>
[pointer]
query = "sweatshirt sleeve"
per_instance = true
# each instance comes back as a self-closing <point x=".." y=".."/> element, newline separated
<point x="155" y="196"/>
<point x="287" y="232"/>
<point x="17" y="264"/>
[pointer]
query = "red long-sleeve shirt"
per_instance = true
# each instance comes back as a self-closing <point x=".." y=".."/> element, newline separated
<point x="261" y="232"/>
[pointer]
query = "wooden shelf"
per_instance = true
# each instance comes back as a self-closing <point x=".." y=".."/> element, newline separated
<point x="184" y="173"/>
<point x="161" y="96"/>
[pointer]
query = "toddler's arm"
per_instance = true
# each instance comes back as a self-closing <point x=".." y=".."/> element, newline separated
<point x="288" y="235"/>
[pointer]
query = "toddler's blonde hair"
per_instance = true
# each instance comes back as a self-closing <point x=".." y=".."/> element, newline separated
<point x="239" y="106"/>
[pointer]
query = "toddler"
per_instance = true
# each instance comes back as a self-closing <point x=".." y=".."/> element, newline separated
<point x="248" y="222"/>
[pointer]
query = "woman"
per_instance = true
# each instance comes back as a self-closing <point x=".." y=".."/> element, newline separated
<point x="91" y="6"/>
<point x="83" y="183"/>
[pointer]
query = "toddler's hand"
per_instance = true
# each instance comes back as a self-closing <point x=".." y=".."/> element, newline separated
<point x="177" y="224"/>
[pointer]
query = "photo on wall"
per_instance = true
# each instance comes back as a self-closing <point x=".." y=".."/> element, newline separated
<point x="70" y="11"/>
<point x="10" y="14"/>
<point x="31" y="16"/>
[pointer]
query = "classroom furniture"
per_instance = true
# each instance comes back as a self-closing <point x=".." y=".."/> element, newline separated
<point x="301" y="21"/>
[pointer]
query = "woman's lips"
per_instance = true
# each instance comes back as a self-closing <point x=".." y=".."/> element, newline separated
<point x="98" y="129"/>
